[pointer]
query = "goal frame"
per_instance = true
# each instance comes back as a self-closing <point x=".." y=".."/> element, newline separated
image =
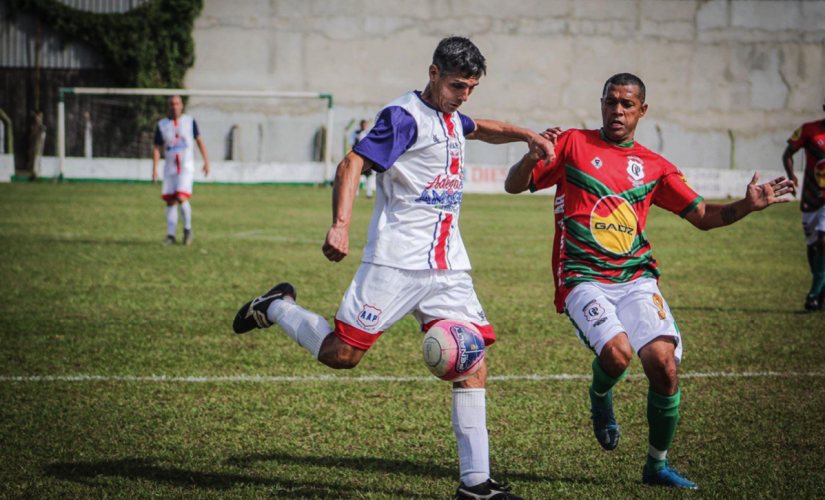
<point x="61" y="110"/>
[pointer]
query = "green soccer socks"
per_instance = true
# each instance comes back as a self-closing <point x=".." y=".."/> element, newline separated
<point x="602" y="383"/>
<point x="662" y="417"/>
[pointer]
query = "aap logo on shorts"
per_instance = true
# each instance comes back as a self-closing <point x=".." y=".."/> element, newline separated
<point x="368" y="317"/>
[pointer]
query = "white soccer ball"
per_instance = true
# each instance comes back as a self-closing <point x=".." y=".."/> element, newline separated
<point x="453" y="350"/>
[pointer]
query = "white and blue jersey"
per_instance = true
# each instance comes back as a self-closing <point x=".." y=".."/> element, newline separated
<point x="418" y="153"/>
<point x="177" y="138"/>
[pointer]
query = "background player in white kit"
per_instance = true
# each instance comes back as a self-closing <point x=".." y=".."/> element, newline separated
<point x="174" y="139"/>
<point x="414" y="261"/>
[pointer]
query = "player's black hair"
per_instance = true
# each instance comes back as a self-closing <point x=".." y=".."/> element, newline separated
<point x="457" y="55"/>
<point x="622" y="79"/>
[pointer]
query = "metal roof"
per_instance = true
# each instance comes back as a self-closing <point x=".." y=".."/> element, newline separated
<point x="18" y="38"/>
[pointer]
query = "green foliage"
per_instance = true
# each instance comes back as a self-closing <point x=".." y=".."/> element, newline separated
<point x="149" y="46"/>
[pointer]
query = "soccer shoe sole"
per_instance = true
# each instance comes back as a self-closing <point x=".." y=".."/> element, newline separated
<point x="252" y="315"/>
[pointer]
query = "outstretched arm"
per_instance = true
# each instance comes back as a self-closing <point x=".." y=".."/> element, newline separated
<point x="347" y="176"/>
<point x="494" y="132"/>
<point x="708" y="216"/>
<point x="787" y="164"/>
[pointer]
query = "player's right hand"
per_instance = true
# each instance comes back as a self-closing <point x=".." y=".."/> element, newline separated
<point x="795" y="184"/>
<point x="336" y="246"/>
<point x="154" y="177"/>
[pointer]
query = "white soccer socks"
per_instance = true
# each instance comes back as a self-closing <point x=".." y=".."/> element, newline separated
<point x="370" y="185"/>
<point x="470" y="426"/>
<point x="171" y="219"/>
<point x="305" y="328"/>
<point x="186" y="212"/>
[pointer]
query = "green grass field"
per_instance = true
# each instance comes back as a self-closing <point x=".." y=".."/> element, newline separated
<point x="88" y="290"/>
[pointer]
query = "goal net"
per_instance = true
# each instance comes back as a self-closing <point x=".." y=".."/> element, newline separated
<point x="250" y="137"/>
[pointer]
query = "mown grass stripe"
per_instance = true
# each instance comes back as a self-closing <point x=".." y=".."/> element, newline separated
<point x="366" y="378"/>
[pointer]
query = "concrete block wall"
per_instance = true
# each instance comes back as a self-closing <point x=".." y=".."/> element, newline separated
<point x="727" y="80"/>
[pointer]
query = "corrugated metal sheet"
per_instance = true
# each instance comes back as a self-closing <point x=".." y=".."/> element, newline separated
<point x="18" y="39"/>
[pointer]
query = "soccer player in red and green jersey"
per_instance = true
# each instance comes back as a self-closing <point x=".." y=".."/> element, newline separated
<point x="811" y="136"/>
<point x="605" y="275"/>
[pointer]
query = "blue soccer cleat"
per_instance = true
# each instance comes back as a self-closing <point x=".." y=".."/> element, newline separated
<point x="668" y="476"/>
<point x="605" y="427"/>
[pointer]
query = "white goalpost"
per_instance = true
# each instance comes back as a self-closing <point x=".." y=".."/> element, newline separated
<point x="323" y="137"/>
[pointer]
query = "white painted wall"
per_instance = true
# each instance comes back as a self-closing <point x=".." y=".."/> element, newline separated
<point x="753" y="69"/>
<point x="6" y="167"/>
<point x="479" y="178"/>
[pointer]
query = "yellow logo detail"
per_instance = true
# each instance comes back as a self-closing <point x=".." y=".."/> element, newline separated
<point x="819" y="173"/>
<point x="796" y="134"/>
<point x="613" y="224"/>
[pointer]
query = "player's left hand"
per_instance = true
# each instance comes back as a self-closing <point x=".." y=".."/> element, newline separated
<point x="206" y="169"/>
<point x="762" y="196"/>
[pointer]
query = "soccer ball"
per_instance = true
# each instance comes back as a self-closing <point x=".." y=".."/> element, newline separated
<point x="453" y="350"/>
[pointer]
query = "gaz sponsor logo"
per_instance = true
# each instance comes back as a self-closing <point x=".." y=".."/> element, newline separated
<point x="600" y="322"/>
<point x="368" y="317"/>
<point x="613" y="224"/>
<point x="593" y="311"/>
<point x="819" y="173"/>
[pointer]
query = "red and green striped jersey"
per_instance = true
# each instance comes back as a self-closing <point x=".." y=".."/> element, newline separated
<point x="603" y="193"/>
<point x="811" y="136"/>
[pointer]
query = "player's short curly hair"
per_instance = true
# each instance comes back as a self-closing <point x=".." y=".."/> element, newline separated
<point x="457" y="55"/>
<point x="622" y="79"/>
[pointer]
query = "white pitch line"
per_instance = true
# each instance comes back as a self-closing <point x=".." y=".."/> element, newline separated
<point x="368" y="378"/>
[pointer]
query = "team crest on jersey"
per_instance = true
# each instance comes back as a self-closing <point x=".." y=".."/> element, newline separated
<point x="635" y="168"/>
<point x="454" y="146"/>
<point x="593" y="311"/>
<point x="820" y="143"/>
<point x="597" y="162"/>
<point x="613" y="224"/>
<point x="368" y="317"/>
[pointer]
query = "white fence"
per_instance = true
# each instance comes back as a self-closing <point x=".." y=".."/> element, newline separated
<point x="710" y="183"/>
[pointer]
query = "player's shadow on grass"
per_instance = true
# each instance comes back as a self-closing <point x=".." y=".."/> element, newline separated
<point x="144" y="469"/>
<point x="384" y="465"/>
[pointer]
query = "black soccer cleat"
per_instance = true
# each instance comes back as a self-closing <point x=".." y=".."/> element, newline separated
<point x="170" y="240"/>
<point x="187" y="237"/>
<point x="487" y="490"/>
<point x="812" y="303"/>
<point x="253" y="314"/>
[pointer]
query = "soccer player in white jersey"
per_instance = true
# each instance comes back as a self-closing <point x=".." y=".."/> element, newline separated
<point x="175" y="137"/>
<point x="414" y="261"/>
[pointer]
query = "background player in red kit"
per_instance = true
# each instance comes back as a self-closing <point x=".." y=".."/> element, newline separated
<point x="606" y="277"/>
<point x="811" y="136"/>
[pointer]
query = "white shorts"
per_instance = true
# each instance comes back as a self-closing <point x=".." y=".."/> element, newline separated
<point x="379" y="296"/>
<point x="811" y="223"/>
<point x="600" y="311"/>
<point x="175" y="184"/>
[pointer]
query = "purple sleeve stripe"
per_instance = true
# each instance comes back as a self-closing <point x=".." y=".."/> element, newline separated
<point x="195" y="132"/>
<point x="158" y="137"/>
<point x="467" y="124"/>
<point x="394" y="133"/>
